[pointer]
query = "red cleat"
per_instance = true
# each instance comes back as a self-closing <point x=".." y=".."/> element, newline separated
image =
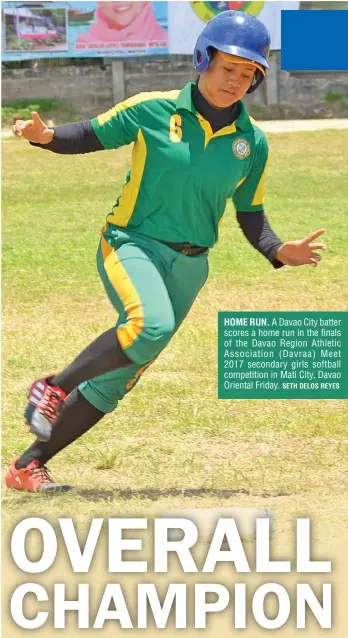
<point x="44" y="406"/>
<point x="33" y="478"/>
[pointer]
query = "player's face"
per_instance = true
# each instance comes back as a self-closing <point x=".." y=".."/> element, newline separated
<point x="225" y="82"/>
<point x="120" y="14"/>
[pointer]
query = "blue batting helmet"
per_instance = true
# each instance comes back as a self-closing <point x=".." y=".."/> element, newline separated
<point x="238" y="34"/>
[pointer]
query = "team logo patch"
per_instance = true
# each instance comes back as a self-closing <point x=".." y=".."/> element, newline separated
<point x="241" y="148"/>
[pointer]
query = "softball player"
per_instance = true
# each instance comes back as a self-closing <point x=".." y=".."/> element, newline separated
<point x="193" y="149"/>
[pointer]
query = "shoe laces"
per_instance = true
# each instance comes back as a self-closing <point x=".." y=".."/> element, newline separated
<point x="42" y="473"/>
<point x="51" y="403"/>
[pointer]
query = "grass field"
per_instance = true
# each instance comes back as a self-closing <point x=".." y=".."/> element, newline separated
<point x="171" y="433"/>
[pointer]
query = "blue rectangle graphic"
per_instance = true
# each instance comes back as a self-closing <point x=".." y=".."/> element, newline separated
<point x="314" y="40"/>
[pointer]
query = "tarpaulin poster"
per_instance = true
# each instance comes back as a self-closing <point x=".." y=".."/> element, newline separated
<point x="186" y="20"/>
<point x="87" y="29"/>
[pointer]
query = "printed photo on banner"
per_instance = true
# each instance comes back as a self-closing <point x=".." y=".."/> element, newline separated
<point x="124" y="26"/>
<point x="35" y="29"/>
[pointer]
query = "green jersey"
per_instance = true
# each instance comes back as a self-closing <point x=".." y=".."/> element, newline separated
<point x="182" y="173"/>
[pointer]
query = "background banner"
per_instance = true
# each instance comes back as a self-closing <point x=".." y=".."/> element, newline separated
<point x="83" y="29"/>
<point x="118" y="29"/>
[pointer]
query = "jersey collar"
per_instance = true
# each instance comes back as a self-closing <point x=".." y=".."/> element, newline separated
<point x="243" y="120"/>
<point x="184" y="101"/>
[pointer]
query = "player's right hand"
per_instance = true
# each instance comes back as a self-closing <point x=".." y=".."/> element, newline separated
<point x="34" y="130"/>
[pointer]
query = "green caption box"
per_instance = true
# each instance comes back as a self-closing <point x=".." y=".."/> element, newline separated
<point x="283" y="355"/>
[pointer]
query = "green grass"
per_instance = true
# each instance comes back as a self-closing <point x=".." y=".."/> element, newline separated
<point x="171" y="432"/>
<point x="22" y="109"/>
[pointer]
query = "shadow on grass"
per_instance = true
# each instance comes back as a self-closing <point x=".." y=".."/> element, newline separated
<point x="155" y="494"/>
<point x="96" y="495"/>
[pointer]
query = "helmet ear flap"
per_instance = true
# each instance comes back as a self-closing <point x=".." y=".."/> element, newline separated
<point x="257" y="79"/>
<point x="201" y="57"/>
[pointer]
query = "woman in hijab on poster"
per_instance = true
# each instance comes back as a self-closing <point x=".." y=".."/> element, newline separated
<point x="124" y="22"/>
<point x="193" y="149"/>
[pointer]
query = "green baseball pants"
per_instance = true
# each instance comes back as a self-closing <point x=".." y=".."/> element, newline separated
<point x="152" y="287"/>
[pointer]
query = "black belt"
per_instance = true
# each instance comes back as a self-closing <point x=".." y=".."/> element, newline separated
<point x="186" y="248"/>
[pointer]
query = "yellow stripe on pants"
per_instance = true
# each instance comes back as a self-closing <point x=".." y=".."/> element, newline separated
<point x="128" y="295"/>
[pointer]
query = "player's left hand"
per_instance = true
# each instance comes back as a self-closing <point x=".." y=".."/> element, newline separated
<point x="299" y="253"/>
